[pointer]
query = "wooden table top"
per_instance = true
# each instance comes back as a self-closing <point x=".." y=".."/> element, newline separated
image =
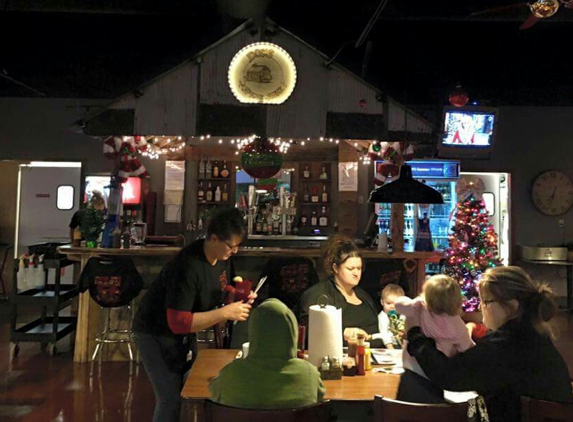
<point x="210" y="361"/>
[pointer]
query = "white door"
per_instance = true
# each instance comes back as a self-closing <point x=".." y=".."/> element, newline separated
<point x="49" y="194"/>
<point x="496" y="196"/>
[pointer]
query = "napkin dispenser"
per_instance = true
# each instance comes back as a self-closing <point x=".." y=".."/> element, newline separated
<point x="543" y="253"/>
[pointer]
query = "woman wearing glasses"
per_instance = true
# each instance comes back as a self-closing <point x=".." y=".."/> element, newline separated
<point x="182" y="301"/>
<point x="517" y="357"/>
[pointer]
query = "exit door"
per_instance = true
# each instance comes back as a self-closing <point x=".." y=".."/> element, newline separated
<point x="48" y="196"/>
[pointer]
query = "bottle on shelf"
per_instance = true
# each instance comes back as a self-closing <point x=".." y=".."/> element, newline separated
<point x="224" y="173"/>
<point x="215" y="169"/>
<point x="323" y="174"/>
<point x="323" y="220"/>
<point x="200" y="192"/>
<point x="209" y="193"/>
<point x="314" y="196"/>
<point x="324" y="194"/>
<point x="313" y="219"/>
<point x="306" y="194"/>
<point x="201" y="168"/>
<point x="208" y="169"/>
<point x="303" y="219"/>
<point x="225" y="194"/>
<point x="218" y="194"/>
<point x="306" y="173"/>
<point x="259" y="224"/>
<point x="269" y="223"/>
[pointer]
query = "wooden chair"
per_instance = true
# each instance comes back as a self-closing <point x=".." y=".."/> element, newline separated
<point x="215" y="412"/>
<point x="387" y="410"/>
<point x="533" y="410"/>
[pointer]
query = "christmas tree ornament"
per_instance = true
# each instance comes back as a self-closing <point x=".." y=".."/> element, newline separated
<point x="544" y="8"/>
<point x="362" y="103"/>
<point x="458" y="97"/>
<point x="261" y="159"/>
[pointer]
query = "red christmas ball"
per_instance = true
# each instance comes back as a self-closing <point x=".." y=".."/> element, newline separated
<point x="362" y="103"/>
<point x="458" y="97"/>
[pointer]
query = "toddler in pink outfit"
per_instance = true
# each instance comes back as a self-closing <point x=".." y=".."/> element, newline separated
<point x="437" y="313"/>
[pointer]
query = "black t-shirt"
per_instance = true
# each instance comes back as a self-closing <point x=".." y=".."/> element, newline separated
<point x="187" y="283"/>
<point x="112" y="282"/>
<point x="77" y="218"/>
<point x="363" y="317"/>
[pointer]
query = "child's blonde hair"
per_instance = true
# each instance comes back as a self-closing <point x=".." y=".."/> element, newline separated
<point x="392" y="289"/>
<point x="443" y="295"/>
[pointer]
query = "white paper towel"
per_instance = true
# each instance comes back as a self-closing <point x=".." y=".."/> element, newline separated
<point x="324" y="333"/>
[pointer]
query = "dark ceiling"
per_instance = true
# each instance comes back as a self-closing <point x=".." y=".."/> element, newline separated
<point x="418" y="49"/>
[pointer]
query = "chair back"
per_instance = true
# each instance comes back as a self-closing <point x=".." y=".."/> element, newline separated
<point x="387" y="410"/>
<point x="534" y="410"/>
<point x="112" y="281"/>
<point x="287" y="279"/>
<point x="215" y="412"/>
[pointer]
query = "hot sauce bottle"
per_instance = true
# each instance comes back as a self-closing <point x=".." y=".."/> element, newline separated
<point x="360" y="355"/>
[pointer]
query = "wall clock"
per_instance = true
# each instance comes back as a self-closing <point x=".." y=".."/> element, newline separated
<point x="552" y="193"/>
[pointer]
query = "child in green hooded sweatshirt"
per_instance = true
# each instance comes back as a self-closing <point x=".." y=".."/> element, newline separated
<point x="271" y="376"/>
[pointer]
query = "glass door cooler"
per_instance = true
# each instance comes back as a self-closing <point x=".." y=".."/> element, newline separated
<point x="442" y="175"/>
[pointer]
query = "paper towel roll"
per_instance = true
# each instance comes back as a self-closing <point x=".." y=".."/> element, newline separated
<point x="324" y="333"/>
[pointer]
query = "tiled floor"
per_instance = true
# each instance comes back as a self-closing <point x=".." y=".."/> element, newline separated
<point x="35" y="387"/>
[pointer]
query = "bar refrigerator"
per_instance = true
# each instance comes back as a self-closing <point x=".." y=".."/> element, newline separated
<point x="442" y="175"/>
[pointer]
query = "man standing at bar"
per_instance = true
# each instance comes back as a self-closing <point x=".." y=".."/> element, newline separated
<point x="183" y="300"/>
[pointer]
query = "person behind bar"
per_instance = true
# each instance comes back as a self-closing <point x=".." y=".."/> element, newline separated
<point x="183" y="300"/>
<point x="517" y="358"/>
<point x="343" y="264"/>
<point x="96" y="202"/>
<point x="271" y="376"/>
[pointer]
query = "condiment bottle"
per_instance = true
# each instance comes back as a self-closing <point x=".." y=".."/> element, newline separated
<point x="360" y="355"/>
<point x="367" y="353"/>
<point x="325" y="365"/>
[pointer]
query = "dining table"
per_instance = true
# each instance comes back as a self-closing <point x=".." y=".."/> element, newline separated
<point x="349" y="388"/>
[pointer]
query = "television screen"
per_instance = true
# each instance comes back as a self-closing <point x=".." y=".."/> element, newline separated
<point x="469" y="129"/>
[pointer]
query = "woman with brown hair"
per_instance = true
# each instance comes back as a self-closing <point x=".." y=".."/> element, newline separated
<point x="343" y="265"/>
<point x="517" y="358"/>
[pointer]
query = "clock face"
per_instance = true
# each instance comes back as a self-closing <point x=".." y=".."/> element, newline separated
<point x="552" y="193"/>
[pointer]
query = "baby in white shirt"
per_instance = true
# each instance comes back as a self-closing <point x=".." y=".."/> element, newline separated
<point x="391" y="326"/>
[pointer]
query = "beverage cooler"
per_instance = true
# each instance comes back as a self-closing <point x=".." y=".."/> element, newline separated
<point x="442" y="175"/>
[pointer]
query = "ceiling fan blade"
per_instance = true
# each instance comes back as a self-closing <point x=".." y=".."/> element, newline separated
<point x="498" y="9"/>
<point x="529" y="22"/>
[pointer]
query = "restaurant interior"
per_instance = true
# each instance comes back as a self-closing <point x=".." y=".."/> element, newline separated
<point x="259" y="118"/>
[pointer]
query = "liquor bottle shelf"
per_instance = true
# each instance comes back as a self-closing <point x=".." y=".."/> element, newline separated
<point x="213" y="179"/>
<point x="315" y="203"/>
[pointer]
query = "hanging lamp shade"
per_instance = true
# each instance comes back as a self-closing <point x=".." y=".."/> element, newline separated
<point x="406" y="190"/>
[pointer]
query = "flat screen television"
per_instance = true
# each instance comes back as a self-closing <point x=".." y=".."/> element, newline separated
<point x="468" y="132"/>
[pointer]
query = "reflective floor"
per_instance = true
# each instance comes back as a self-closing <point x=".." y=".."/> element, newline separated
<point x="37" y="387"/>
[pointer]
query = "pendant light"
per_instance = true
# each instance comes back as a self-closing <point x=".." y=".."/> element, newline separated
<point x="406" y="190"/>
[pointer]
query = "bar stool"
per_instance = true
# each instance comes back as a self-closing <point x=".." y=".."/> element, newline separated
<point x="114" y="335"/>
<point x="113" y="283"/>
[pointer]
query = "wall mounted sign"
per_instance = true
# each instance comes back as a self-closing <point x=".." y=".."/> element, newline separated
<point x="262" y="73"/>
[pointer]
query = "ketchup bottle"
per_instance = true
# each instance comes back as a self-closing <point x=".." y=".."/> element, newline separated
<point x="360" y="355"/>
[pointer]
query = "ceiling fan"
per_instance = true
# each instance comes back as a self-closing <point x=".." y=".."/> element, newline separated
<point x="540" y="9"/>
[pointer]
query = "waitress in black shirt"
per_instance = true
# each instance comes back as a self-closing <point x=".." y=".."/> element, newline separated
<point x="183" y="300"/>
<point x="343" y="264"/>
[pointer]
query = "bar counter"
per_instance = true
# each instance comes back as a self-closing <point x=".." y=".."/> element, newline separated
<point x="150" y="259"/>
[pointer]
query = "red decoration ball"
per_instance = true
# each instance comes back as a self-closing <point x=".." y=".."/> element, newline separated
<point x="362" y="103"/>
<point x="458" y="97"/>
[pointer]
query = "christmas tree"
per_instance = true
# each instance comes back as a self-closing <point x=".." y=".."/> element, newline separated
<point x="472" y="250"/>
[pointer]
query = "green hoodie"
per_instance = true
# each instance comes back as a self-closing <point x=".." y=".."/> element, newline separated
<point x="271" y="377"/>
